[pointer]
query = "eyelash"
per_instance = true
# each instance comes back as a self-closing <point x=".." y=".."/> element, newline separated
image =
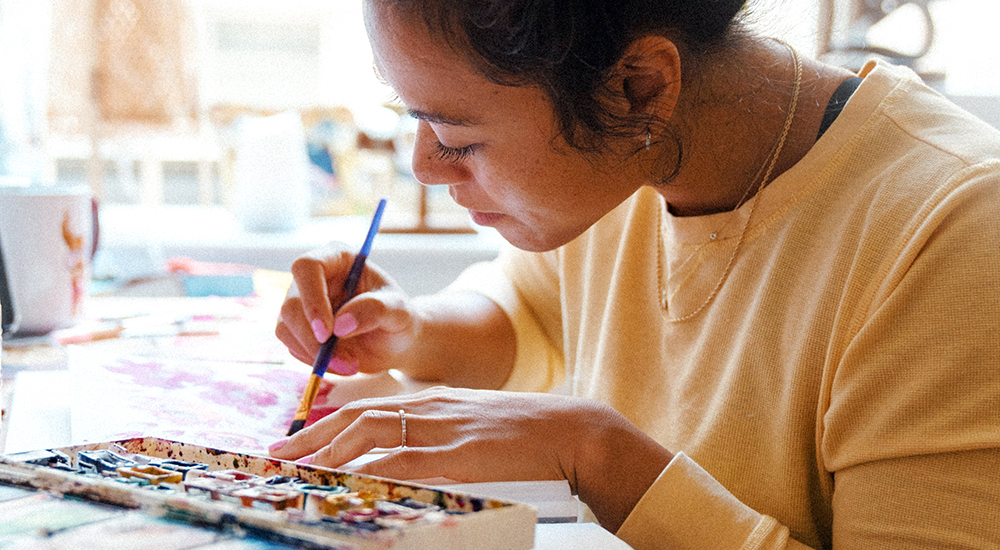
<point x="454" y="154"/>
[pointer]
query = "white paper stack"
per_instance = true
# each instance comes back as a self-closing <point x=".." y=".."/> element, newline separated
<point x="553" y="499"/>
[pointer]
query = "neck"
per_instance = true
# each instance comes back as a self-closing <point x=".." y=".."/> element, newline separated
<point x="731" y="119"/>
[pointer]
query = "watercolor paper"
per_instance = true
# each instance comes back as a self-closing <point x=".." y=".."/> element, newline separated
<point x="246" y="544"/>
<point x="133" y="531"/>
<point x="40" y="513"/>
<point x="238" y="406"/>
<point x="11" y="493"/>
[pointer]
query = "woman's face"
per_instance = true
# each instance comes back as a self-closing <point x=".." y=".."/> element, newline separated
<point x="493" y="146"/>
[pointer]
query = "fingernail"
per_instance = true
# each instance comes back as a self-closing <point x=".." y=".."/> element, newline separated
<point x="277" y="445"/>
<point x="344" y="325"/>
<point x="319" y="329"/>
<point x="343" y="367"/>
<point x="305" y="460"/>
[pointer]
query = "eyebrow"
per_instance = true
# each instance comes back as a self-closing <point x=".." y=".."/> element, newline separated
<point x="439" y="118"/>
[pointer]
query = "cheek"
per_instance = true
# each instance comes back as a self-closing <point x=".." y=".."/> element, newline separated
<point x="531" y="168"/>
<point x="551" y="181"/>
<point x="520" y="185"/>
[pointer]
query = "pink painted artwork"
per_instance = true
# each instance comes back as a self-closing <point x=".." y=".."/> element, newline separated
<point x="236" y="390"/>
<point x="238" y="406"/>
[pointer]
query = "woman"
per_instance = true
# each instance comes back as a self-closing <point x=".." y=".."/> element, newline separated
<point x="752" y="293"/>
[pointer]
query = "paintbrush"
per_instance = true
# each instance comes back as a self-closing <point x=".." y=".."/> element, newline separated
<point x="326" y="348"/>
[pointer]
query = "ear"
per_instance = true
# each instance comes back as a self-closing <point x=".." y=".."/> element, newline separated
<point x="650" y="73"/>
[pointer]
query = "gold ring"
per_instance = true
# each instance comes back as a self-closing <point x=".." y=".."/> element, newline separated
<point x="402" y="421"/>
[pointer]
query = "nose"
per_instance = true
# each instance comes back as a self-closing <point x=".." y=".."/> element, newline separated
<point x="428" y="167"/>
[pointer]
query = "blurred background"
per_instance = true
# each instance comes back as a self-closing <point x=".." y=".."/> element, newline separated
<point x="249" y="131"/>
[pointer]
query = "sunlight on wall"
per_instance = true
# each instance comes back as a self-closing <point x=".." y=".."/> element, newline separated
<point x="968" y="45"/>
<point x="299" y="52"/>
<point x="23" y="57"/>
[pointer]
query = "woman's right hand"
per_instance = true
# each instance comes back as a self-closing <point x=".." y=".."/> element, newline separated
<point x="375" y="329"/>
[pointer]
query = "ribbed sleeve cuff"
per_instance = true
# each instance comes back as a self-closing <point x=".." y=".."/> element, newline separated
<point x="686" y="508"/>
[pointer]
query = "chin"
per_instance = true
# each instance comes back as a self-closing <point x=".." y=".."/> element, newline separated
<point x="529" y="239"/>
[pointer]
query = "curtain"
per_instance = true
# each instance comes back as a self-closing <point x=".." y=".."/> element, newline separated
<point x="132" y="61"/>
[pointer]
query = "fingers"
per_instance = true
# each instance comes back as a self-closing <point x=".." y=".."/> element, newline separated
<point x="294" y="332"/>
<point x="374" y="330"/>
<point x="307" y="315"/>
<point x="300" y="350"/>
<point x="345" y="435"/>
<point x="409" y="463"/>
<point x="380" y="319"/>
<point x="373" y="429"/>
<point x="315" y="279"/>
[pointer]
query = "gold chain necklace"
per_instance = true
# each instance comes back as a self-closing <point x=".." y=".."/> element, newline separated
<point x="772" y="161"/>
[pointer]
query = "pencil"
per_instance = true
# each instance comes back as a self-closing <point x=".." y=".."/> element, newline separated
<point x="326" y="348"/>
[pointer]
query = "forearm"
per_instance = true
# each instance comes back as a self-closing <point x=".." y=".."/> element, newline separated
<point x="464" y="340"/>
<point x="615" y="464"/>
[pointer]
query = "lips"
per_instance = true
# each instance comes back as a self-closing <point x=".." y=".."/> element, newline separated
<point x="479" y="217"/>
<point x="487" y="219"/>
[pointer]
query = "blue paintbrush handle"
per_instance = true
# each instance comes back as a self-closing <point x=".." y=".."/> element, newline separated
<point x="350" y="287"/>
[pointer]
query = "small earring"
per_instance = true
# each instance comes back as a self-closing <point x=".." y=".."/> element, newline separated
<point x="649" y="137"/>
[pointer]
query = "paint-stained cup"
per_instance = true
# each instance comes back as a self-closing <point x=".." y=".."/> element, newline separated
<point x="48" y="235"/>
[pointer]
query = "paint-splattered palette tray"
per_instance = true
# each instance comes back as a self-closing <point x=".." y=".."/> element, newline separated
<point x="251" y="499"/>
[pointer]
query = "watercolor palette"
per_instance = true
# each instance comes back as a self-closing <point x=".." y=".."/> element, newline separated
<point x="153" y="485"/>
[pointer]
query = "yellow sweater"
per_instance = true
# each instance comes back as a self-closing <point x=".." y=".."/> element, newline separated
<point x="842" y="389"/>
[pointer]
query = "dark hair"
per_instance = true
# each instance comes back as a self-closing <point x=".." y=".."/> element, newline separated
<point x="568" y="47"/>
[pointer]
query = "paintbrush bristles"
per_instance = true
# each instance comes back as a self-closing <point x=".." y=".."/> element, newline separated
<point x="295" y="427"/>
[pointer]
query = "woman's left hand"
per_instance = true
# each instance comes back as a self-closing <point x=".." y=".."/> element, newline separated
<point x="478" y="435"/>
<point x="464" y="435"/>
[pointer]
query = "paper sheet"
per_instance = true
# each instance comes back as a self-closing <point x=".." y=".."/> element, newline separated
<point x="241" y="407"/>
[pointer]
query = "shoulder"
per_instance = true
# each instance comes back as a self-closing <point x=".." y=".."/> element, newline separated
<point x="904" y="156"/>
<point x="907" y="105"/>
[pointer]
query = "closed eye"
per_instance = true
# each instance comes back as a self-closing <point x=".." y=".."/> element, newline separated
<point x="454" y="154"/>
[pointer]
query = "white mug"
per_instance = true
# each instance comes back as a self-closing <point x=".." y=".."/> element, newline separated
<point x="48" y="235"/>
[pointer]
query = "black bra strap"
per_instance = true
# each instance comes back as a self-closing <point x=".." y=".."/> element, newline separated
<point x="837" y="102"/>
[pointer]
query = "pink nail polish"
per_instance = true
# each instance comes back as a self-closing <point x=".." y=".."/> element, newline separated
<point x="305" y="460"/>
<point x="342" y="367"/>
<point x="344" y="325"/>
<point x="319" y="329"/>
<point x="277" y="445"/>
